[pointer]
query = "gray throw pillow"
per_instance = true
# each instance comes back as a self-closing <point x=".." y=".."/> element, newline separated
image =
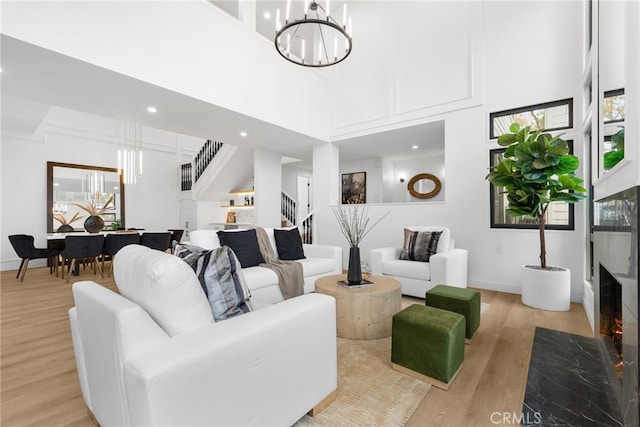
<point x="419" y="245"/>
<point x="221" y="278"/>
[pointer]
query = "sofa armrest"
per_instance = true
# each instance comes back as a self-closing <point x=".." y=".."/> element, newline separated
<point x="449" y="268"/>
<point x="267" y="367"/>
<point x="324" y="251"/>
<point x="377" y="256"/>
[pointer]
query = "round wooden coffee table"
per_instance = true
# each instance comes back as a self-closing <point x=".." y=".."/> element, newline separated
<point x="363" y="313"/>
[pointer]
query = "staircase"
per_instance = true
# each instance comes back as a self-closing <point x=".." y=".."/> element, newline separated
<point x="190" y="174"/>
<point x="192" y="171"/>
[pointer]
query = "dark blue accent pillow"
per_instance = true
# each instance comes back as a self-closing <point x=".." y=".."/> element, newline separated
<point x="289" y="244"/>
<point x="244" y="244"/>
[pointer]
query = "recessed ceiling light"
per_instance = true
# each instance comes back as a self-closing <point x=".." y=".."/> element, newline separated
<point x="415" y="147"/>
<point x="152" y="109"/>
<point x="267" y="15"/>
<point x="243" y="134"/>
<point x="56" y="184"/>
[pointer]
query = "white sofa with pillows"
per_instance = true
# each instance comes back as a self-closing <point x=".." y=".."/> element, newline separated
<point x="419" y="264"/>
<point x="153" y="354"/>
<point x="318" y="261"/>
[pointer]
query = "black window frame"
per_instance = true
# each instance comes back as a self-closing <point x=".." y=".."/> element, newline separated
<point x="493" y="193"/>
<point x="567" y="101"/>
<point x="611" y="94"/>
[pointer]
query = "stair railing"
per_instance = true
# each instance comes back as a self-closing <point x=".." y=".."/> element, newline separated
<point x="307" y="227"/>
<point x="288" y="207"/>
<point x="191" y="172"/>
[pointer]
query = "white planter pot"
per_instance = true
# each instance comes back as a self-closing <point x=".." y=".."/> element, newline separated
<point x="546" y="289"/>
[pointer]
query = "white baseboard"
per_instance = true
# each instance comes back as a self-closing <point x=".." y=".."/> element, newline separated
<point x="15" y="264"/>
<point x="493" y="286"/>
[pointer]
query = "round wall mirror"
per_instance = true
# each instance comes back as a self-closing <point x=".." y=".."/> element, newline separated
<point x="424" y="186"/>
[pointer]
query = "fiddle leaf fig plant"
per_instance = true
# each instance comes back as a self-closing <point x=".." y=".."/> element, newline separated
<point x="613" y="157"/>
<point x="536" y="170"/>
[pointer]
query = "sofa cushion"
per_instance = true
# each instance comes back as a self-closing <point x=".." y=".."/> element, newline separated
<point x="316" y="266"/>
<point x="260" y="277"/>
<point x="409" y="269"/>
<point x="288" y="244"/>
<point x="220" y="276"/>
<point x="244" y="244"/>
<point x="419" y="245"/>
<point x="164" y="286"/>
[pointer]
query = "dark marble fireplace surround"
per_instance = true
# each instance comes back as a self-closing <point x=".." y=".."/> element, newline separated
<point x="615" y="240"/>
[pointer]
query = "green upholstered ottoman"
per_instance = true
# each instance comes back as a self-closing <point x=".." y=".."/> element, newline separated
<point x="428" y="343"/>
<point x="459" y="300"/>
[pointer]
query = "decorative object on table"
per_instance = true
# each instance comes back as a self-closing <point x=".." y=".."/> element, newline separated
<point x="613" y="157"/>
<point x="314" y="34"/>
<point x="354" y="188"/>
<point x="96" y="207"/>
<point x="536" y="170"/>
<point x="419" y="179"/>
<point x="231" y="217"/>
<point x="354" y="225"/>
<point x="65" y="224"/>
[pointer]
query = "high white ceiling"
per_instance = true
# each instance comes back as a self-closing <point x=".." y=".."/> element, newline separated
<point x="33" y="79"/>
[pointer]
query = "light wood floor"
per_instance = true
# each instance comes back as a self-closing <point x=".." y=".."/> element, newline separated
<point x="39" y="384"/>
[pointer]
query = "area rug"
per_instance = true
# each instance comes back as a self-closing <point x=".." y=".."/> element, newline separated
<point x="370" y="393"/>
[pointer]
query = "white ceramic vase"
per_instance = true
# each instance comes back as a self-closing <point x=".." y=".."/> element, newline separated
<point x="546" y="289"/>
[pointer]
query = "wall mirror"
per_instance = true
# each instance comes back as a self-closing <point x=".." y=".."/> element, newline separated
<point x="391" y="158"/>
<point x="69" y="185"/>
<point x="424" y="186"/>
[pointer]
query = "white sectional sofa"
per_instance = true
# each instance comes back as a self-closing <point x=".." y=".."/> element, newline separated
<point x="321" y="260"/>
<point x="162" y="361"/>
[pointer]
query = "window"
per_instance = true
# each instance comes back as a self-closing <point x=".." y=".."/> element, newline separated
<point x="548" y="116"/>
<point x="613" y="106"/>
<point x="559" y="215"/>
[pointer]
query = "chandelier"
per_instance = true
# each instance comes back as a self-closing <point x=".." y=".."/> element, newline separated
<point x="129" y="152"/>
<point x="315" y="29"/>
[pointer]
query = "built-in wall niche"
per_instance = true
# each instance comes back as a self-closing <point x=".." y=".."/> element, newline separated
<point x="392" y="158"/>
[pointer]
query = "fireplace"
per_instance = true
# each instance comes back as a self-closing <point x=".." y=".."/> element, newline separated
<point x="615" y="253"/>
<point x="611" y="321"/>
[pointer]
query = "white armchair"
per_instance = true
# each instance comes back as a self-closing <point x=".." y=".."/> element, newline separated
<point x="448" y="266"/>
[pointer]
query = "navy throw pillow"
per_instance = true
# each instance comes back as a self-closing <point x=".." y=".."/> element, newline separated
<point x="289" y="244"/>
<point x="244" y="244"/>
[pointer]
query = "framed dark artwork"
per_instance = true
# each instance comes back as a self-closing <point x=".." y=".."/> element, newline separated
<point x="354" y="187"/>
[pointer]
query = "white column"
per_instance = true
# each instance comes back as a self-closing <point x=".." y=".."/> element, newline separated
<point x="267" y="172"/>
<point x="326" y="187"/>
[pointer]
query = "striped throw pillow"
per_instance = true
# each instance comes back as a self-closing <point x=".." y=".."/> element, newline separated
<point x="419" y="245"/>
<point x="221" y="279"/>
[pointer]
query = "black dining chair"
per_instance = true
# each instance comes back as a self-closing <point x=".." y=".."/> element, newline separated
<point x="176" y="234"/>
<point x="79" y="248"/>
<point x="26" y="250"/>
<point x="113" y="243"/>
<point x="160" y="241"/>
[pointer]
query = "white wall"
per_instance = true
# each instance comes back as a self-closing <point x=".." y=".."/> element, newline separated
<point x="190" y="47"/>
<point x="512" y="37"/>
<point x="72" y="137"/>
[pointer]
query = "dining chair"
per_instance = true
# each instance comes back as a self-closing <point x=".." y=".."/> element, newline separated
<point x="78" y="248"/>
<point x="114" y="242"/>
<point x="160" y="241"/>
<point x="176" y="234"/>
<point x="26" y="250"/>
